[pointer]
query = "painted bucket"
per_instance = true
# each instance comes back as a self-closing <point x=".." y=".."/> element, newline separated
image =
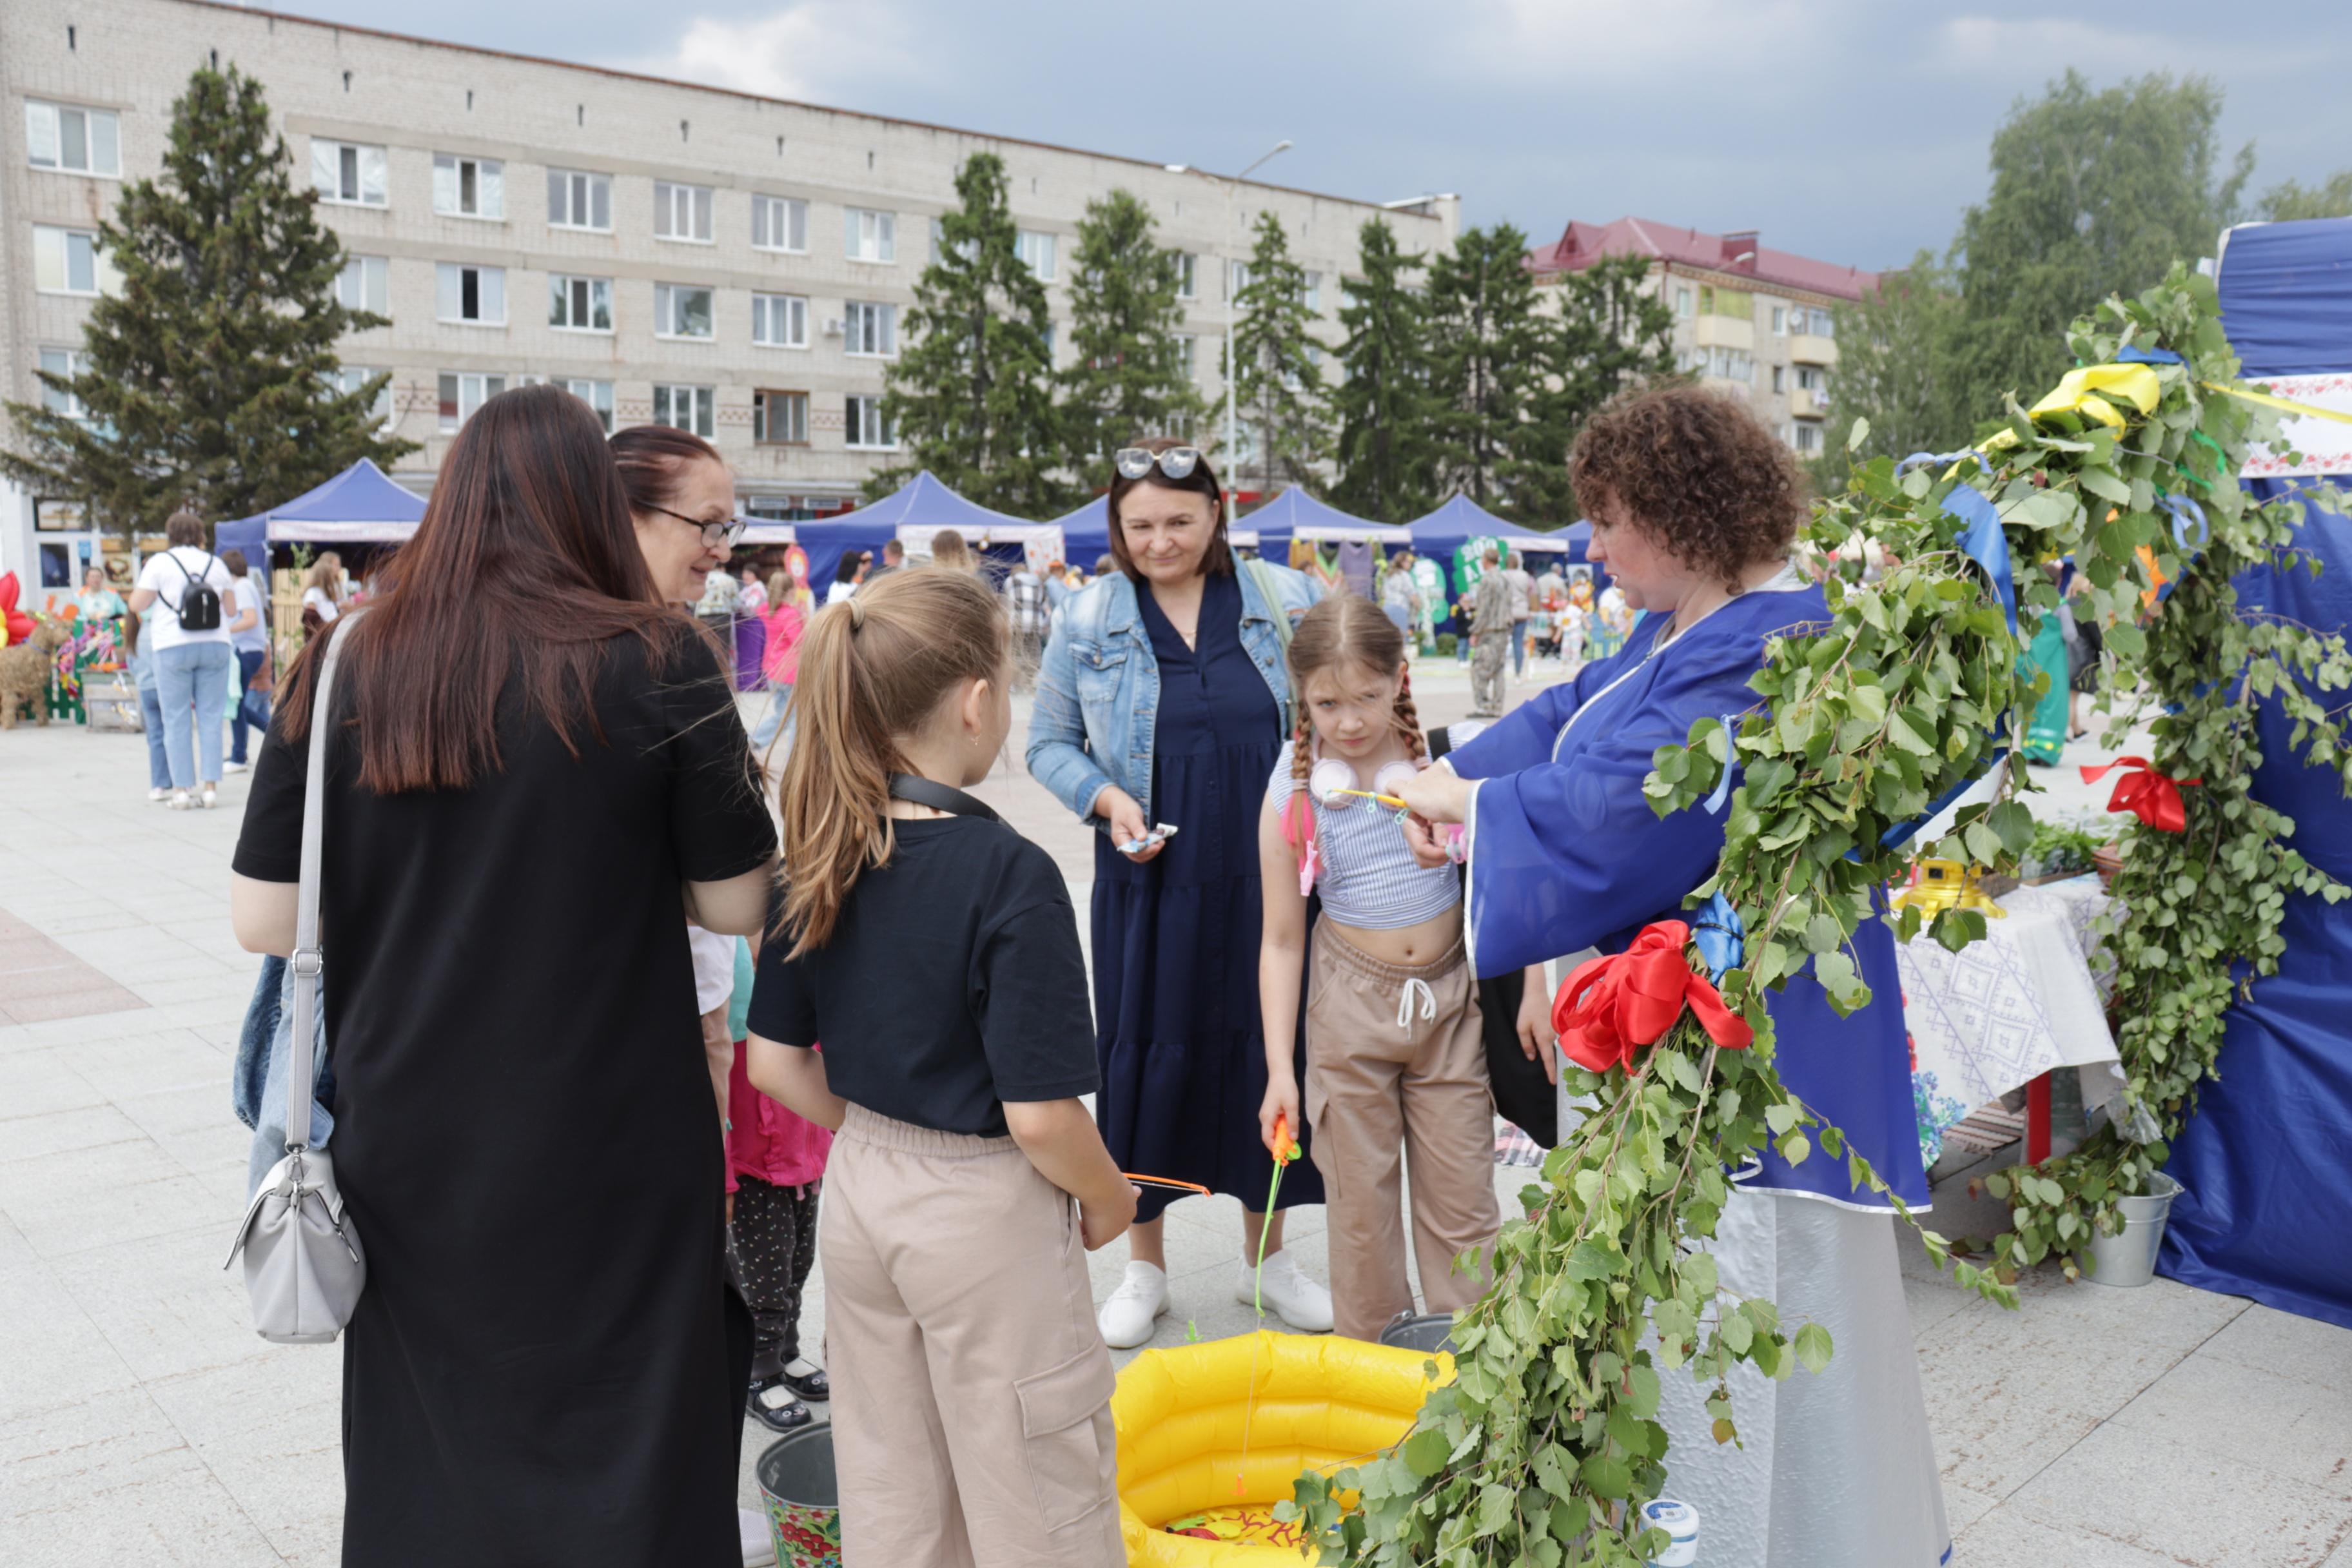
<point x="1429" y="1332"/>
<point x="802" y="1498"/>
<point x="2129" y="1257"/>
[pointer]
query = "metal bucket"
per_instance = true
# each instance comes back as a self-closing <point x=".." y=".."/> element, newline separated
<point x="2129" y="1257"/>
<point x="803" y="1497"/>
<point x="1429" y="1332"/>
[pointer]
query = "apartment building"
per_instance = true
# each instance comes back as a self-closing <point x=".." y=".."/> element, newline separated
<point x="734" y="265"/>
<point x="1747" y="318"/>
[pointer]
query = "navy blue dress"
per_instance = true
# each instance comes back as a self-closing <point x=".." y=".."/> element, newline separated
<point x="1176" y="938"/>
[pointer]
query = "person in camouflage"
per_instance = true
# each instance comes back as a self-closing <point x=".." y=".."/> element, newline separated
<point x="1490" y="634"/>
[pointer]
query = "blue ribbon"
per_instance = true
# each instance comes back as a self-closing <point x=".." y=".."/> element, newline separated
<point x="1721" y="940"/>
<point x="1981" y="539"/>
<point x="1730" y="759"/>
<point x="2147" y="357"/>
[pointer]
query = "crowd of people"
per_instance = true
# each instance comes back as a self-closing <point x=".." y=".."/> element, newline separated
<point x="759" y="998"/>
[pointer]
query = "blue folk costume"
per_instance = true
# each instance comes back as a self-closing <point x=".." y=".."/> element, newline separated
<point x="1566" y="855"/>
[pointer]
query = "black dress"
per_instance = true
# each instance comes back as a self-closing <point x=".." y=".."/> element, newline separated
<point x="546" y="1366"/>
<point x="1176" y="938"/>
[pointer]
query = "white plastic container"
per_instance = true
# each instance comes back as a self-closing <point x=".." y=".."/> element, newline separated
<point x="1678" y="1520"/>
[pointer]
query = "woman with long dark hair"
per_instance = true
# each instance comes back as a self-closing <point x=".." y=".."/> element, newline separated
<point x="535" y="766"/>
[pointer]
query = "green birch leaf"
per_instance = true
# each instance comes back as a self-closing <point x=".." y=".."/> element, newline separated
<point x="1813" y="1347"/>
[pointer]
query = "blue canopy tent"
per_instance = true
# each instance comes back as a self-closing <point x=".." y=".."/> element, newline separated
<point x="1442" y="532"/>
<point x="359" y="505"/>
<point x="1295" y="514"/>
<point x="2262" y="1160"/>
<point x="912" y="513"/>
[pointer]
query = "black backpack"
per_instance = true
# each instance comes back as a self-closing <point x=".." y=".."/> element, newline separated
<point x="199" y="608"/>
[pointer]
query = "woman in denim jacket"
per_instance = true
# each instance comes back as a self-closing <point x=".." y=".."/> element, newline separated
<point x="1163" y="698"/>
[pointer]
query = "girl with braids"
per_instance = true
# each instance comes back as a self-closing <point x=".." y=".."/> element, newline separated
<point x="934" y="951"/>
<point x="1394" y="1051"/>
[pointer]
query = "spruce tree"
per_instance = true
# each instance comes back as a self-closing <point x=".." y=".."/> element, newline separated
<point x="1127" y="377"/>
<point x="1609" y="332"/>
<point x="1382" y="401"/>
<point x="1485" y="364"/>
<point x="208" y="377"/>
<point x="971" y="392"/>
<point x="1281" y="385"/>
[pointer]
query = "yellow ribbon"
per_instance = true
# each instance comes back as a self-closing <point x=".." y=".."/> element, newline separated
<point x="2080" y="391"/>
<point x="2276" y="401"/>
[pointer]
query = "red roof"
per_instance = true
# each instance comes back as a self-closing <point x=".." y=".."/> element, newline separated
<point x="1586" y="243"/>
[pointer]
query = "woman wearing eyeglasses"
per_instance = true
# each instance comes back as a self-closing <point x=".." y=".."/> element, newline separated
<point x="1162" y="698"/>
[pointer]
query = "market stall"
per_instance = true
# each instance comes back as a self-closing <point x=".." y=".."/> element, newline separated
<point x="359" y="506"/>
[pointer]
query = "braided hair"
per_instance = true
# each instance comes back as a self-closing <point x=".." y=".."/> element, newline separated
<point x="1344" y="630"/>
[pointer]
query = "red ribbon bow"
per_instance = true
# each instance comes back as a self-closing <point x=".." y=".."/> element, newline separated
<point x="1613" y="1006"/>
<point x="2144" y="793"/>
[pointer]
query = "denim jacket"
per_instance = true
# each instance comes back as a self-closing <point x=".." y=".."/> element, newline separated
<point x="1098" y="686"/>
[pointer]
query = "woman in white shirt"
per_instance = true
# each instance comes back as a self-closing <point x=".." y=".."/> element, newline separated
<point x="249" y="641"/>
<point x="845" y="577"/>
<point x="322" y="589"/>
<point x="192" y="664"/>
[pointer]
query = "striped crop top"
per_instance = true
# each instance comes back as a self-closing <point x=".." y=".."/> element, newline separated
<point x="1370" y="880"/>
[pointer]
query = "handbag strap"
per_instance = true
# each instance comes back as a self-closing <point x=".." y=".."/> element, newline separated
<point x="308" y="959"/>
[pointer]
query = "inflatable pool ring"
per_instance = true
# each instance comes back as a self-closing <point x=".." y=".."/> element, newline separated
<point x="1291" y="1402"/>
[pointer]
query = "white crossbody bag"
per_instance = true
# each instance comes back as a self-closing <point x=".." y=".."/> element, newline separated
<point x="304" y="1269"/>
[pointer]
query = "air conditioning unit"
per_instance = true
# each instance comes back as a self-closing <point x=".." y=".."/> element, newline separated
<point x="833" y="328"/>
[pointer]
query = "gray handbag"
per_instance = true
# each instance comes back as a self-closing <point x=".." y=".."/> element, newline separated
<point x="304" y="1269"/>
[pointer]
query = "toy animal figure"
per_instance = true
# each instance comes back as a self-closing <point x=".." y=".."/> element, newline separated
<point x="24" y="673"/>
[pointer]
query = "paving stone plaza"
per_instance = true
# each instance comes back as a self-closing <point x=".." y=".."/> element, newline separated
<point x="142" y="1422"/>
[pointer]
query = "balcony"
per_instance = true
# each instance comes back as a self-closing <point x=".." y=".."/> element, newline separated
<point x="1724" y="331"/>
<point x="1804" y="348"/>
<point x="1808" y="402"/>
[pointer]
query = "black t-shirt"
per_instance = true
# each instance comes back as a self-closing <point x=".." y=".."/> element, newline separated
<point x="952" y="982"/>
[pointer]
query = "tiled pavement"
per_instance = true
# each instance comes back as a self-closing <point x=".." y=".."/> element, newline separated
<point x="142" y="1422"/>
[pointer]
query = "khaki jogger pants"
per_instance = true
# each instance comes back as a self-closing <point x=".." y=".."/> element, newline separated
<point x="1396" y="1068"/>
<point x="971" y="1422"/>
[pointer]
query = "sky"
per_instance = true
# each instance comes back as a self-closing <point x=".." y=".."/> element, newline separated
<point x="1854" y="131"/>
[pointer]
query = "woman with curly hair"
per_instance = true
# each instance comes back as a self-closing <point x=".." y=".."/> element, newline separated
<point x="1695" y="507"/>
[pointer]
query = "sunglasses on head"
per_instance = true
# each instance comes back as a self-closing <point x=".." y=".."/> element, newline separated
<point x="1176" y="462"/>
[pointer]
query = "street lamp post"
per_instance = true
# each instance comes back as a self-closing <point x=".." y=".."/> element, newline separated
<point x="1233" y="307"/>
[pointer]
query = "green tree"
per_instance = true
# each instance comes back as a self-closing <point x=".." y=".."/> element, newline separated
<point x="1127" y="377"/>
<point x="971" y="392"/>
<point x="1898" y="365"/>
<point x="1485" y="366"/>
<point x="209" y="379"/>
<point x="1382" y="401"/>
<point x="2288" y="200"/>
<point x="1281" y="385"/>
<point x="1611" y="331"/>
<point x="2094" y="192"/>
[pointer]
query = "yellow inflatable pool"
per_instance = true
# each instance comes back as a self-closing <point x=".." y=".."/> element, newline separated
<point x="1321" y="1403"/>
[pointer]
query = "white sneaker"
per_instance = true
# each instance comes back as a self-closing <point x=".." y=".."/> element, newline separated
<point x="758" y="1546"/>
<point x="1296" y="1299"/>
<point x="211" y="797"/>
<point x="234" y="767"/>
<point x="180" y="801"/>
<point x="158" y="793"/>
<point x="1127" y="1318"/>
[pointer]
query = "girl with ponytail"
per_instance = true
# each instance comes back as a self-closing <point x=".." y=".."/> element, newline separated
<point x="934" y="951"/>
<point x="1394" y="1052"/>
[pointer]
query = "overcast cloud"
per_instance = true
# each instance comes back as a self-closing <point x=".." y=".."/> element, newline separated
<point x="1851" y="129"/>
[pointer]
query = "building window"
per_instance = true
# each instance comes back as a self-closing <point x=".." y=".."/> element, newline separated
<point x="1811" y="378"/>
<point x="682" y="212"/>
<point x="365" y="284"/>
<point x="462" y="391"/>
<point x="597" y="395"/>
<point x="473" y="295"/>
<point x="1814" y="321"/>
<point x="686" y="408"/>
<point x="1682" y="301"/>
<point x="869" y="429"/>
<point x="1780" y="323"/>
<point x="1187" y="354"/>
<point x="780" y="418"/>
<point x="1037" y="251"/>
<point x="1731" y="365"/>
<point x="871" y="329"/>
<point x="869" y="236"/>
<point x="71" y="261"/>
<point x="347" y="172"/>
<point x="681" y="310"/>
<point x="579" y="200"/>
<point x="1237" y="278"/>
<point x="1692" y="361"/>
<point x="1779" y="374"/>
<point x="779" y="223"/>
<point x="350" y="378"/>
<point x="1188" y="272"/>
<point x="580" y="304"/>
<point x="780" y="320"/>
<point x="1809" y="436"/>
<point x="64" y="362"/>
<point x="72" y="140"/>
<point x="469" y="187"/>
<point x="1310" y="292"/>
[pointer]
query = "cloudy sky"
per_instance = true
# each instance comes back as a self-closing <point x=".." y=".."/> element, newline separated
<point x="1851" y="129"/>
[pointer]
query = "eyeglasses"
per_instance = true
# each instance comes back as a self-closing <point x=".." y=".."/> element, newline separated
<point x="715" y="535"/>
<point x="1176" y="462"/>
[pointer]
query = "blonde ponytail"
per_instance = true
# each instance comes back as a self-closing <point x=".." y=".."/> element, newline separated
<point x="872" y="667"/>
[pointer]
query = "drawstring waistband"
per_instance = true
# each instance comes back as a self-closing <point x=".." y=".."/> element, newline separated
<point x="1414" y="983"/>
